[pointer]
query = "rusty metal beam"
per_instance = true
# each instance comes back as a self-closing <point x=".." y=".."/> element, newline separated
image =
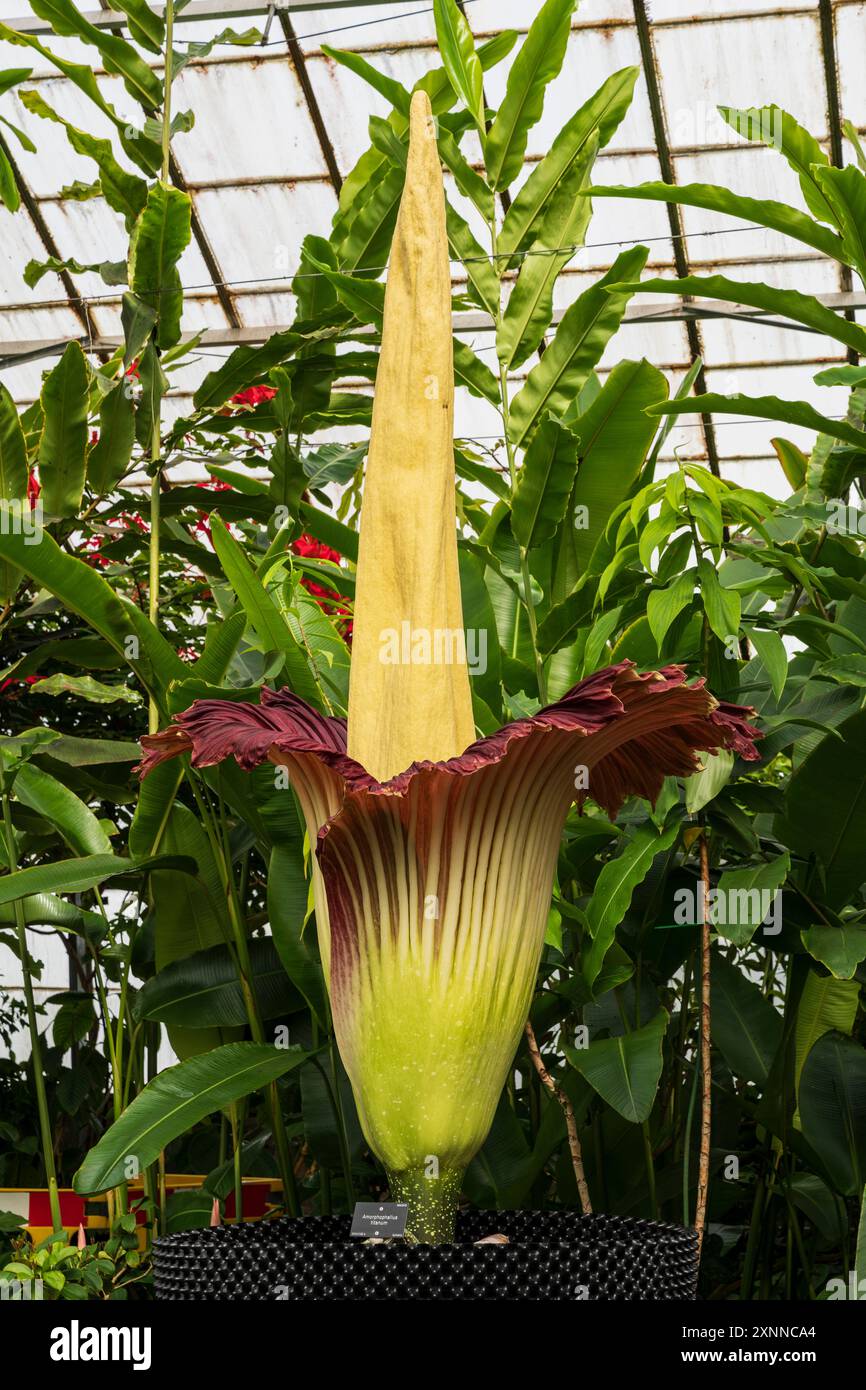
<point x="299" y="63"/>
<point x="675" y="221"/>
<point x="30" y="202"/>
<point x="834" y="123"/>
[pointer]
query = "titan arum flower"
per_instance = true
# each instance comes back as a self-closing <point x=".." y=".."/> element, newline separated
<point x="435" y="853"/>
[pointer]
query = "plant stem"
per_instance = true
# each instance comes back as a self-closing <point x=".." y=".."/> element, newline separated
<point x="525" y="576"/>
<point x="35" y="1047"/>
<point x="245" y="975"/>
<point x="706" y="1051"/>
<point x="570" y="1123"/>
<point x="236" y="1112"/>
<point x="156" y="433"/>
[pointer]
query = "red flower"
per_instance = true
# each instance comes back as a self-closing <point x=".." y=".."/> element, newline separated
<point x="132" y="369"/>
<point x="33" y="487"/>
<point x="253" y="395"/>
<point x="329" y="599"/>
<point x="11" y="682"/>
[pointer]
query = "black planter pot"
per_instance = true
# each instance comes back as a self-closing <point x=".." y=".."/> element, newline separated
<point x="551" y="1255"/>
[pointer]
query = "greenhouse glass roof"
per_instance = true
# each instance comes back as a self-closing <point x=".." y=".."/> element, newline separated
<point x="278" y="124"/>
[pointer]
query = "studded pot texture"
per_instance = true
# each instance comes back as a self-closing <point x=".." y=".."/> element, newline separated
<point x="557" y="1255"/>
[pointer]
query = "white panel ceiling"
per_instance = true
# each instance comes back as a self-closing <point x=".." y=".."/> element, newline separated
<point x="258" y="170"/>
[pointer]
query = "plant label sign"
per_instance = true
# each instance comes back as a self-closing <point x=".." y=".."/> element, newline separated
<point x="380" y="1219"/>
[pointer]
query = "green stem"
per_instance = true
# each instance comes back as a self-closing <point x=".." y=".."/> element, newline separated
<point x="156" y="432"/>
<point x="432" y="1203"/>
<point x="525" y="576"/>
<point x="245" y="975"/>
<point x="35" y="1046"/>
<point x="236" y="1112"/>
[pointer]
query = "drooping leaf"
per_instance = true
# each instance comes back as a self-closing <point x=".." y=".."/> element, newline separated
<point x="13" y="479"/>
<point x="614" y="434"/>
<point x="288" y="892"/>
<point x="825" y="809"/>
<point x="77" y="875"/>
<point x="746" y="896"/>
<point x="665" y="605"/>
<point x="765" y="407"/>
<point x="842" y="949"/>
<point x="625" y="1070"/>
<point x="544" y="484"/>
<point x="109" y="458"/>
<point x="746" y="1026"/>
<point x="159" y="239"/>
<point x="777" y="216"/>
<point x="69" y="815"/>
<point x="789" y="304"/>
<point x="615" y="886"/>
<point x="833" y="1109"/>
<point x="774" y="657"/>
<point x="63" y="446"/>
<point x="204" y="991"/>
<point x="775" y="128"/>
<point x="174" y="1101"/>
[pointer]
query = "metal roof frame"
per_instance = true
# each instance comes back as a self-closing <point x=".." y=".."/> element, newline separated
<point x="280" y="21"/>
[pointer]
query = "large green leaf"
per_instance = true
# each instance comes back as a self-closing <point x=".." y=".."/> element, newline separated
<point x="765" y="408"/>
<point x="777" y="216"/>
<point x="459" y="58"/>
<point x="543" y="484"/>
<point x="842" y="949"/>
<point x="615" y="886"/>
<point x="746" y="1026"/>
<point x="288" y="891"/>
<point x="271" y="628"/>
<point x="535" y="66"/>
<point x="63" y="445"/>
<point x="13" y="479"/>
<point x="109" y="459"/>
<point x="802" y="308"/>
<point x="203" y="990"/>
<point x="118" y="56"/>
<point x="392" y="91"/>
<point x="175" y="1101"/>
<point x="833" y="1109"/>
<point x="243" y="367"/>
<point x="825" y="809"/>
<point x="47" y="910"/>
<point x="775" y="128"/>
<point x="530" y="306"/>
<point x="143" y="151"/>
<point x="625" y="1071"/>
<point x="126" y="193"/>
<point x="159" y="239"/>
<point x="614" y="436"/>
<point x="582" y="335"/>
<point x="744" y="898"/>
<point x="81" y="590"/>
<point x="67" y="813"/>
<point x="845" y="190"/>
<point x="826" y="1005"/>
<point x="601" y="114"/>
<point x="77" y="875"/>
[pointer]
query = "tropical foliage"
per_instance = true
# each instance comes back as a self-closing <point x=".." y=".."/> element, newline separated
<point x="185" y="900"/>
